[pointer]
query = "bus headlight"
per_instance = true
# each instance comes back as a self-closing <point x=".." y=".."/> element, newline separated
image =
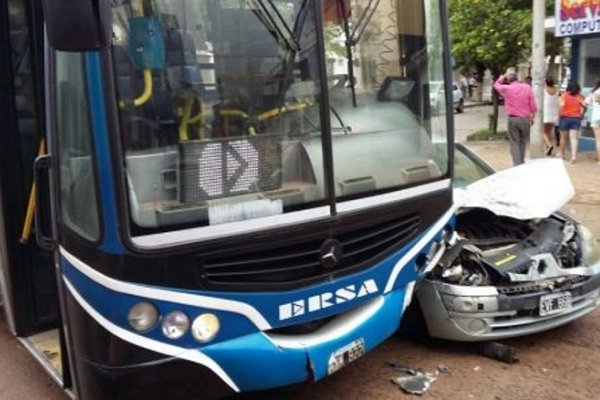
<point x="589" y="246"/>
<point x="205" y="327"/>
<point x="175" y="324"/>
<point x="142" y="316"/>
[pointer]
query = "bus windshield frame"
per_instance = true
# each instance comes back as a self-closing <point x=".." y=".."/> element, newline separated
<point x="222" y="134"/>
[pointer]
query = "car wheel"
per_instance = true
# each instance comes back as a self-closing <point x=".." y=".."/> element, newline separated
<point x="461" y="106"/>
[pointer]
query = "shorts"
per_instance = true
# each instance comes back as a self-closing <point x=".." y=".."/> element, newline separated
<point x="569" y="124"/>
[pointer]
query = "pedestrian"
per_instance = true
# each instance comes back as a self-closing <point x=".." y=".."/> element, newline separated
<point x="572" y="108"/>
<point x="520" y="106"/>
<point x="463" y="85"/>
<point x="472" y="85"/>
<point x="593" y="100"/>
<point x="550" y="114"/>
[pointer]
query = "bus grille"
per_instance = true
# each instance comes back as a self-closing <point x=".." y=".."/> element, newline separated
<point x="298" y="262"/>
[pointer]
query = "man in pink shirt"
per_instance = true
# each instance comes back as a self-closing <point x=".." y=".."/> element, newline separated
<point x="520" y="106"/>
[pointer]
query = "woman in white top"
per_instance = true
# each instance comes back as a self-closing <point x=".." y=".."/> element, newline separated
<point x="593" y="100"/>
<point x="550" y="114"/>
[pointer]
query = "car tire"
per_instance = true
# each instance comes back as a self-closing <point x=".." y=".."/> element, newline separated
<point x="461" y="106"/>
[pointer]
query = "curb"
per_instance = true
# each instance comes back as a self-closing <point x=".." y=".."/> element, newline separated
<point x="471" y="104"/>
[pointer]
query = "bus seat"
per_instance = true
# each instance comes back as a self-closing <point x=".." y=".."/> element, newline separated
<point x="154" y="121"/>
<point x="182" y="69"/>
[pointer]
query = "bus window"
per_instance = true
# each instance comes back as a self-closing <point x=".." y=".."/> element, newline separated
<point x="214" y="117"/>
<point x="382" y="59"/>
<point x="77" y="188"/>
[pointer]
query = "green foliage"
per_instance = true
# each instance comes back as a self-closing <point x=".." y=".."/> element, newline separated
<point x="486" y="134"/>
<point x="493" y="34"/>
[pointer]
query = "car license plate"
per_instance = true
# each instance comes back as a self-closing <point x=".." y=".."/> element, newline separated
<point x="344" y="356"/>
<point x="555" y="303"/>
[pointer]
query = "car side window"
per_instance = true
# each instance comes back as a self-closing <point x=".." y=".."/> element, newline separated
<point x="466" y="171"/>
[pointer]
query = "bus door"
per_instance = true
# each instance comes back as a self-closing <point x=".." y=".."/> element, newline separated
<point x="27" y="273"/>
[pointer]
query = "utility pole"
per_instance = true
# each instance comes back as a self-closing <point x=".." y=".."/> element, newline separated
<point x="538" y="67"/>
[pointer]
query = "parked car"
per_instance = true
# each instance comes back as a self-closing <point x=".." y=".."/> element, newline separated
<point x="506" y="276"/>
<point x="437" y="96"/>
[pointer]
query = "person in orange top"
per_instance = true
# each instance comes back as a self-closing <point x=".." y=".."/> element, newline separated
<point x="572" y="108"/>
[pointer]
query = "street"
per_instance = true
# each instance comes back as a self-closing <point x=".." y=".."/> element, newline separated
<point x="558" y="364"/>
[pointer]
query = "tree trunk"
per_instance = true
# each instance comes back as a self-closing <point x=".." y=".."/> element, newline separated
<point x="494" y="116"/>
<point x="495" y="103"/>
<point x="480" y="73"/>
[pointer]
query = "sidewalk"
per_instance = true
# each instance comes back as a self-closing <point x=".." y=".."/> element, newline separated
<point x="472" y="103"/>
<point x="585" y="175"/>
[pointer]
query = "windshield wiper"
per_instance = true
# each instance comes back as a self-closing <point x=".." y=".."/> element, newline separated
<point x="352" y="37"/>
<point x="290" y="38"/>
<point x="363" y="21"/>
<point x="269" y="21"/>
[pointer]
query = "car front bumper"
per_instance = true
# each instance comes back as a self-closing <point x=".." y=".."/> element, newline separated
<point x="480" y="313"/>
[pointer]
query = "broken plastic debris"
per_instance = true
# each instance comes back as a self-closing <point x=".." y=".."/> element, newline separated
<point x="444" y="369"/>
<point x="402" y="368"/>
<point x="416" y="384"/>
<point x="498" y="351"/>
<point x="415" y="381"/>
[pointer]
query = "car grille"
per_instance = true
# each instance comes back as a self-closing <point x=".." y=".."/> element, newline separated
<point x="530" y="287"/>
<point x="300" y="261"/>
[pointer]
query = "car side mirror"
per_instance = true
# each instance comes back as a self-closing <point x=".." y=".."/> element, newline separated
<point x="77" y="25"/>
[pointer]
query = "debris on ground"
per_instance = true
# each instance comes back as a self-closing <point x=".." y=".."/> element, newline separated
<point x="497" y="351"/>
<point x="416" y="384"/>
<point x="476" y="369"/>
<point x="402" y="368"/>
<point x="414" y="381"/>
<point x="444" y="369"/>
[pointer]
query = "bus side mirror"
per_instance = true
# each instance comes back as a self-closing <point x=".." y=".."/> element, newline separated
<point x="77" y="25"/>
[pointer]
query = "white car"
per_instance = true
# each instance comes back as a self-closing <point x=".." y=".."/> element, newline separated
<point x="437" y="96"/>
<point x="514" y="269"/>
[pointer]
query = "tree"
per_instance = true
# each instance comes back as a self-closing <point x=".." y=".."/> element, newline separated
<point x="494" y="35"/>
<point x="490" y="34"/>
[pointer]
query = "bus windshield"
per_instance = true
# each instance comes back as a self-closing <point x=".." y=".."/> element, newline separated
<point x="232" y="111"/>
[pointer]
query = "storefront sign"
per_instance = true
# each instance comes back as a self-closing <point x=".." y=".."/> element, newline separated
<point x="577" y="17"/>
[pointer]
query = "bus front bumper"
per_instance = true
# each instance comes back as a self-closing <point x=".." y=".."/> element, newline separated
<point x="266" y="360"/>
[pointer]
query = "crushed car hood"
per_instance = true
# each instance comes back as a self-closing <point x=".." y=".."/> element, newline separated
<point x="532" y="190"/>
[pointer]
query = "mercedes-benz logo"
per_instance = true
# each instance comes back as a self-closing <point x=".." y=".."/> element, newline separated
<point x="330" y="254"/>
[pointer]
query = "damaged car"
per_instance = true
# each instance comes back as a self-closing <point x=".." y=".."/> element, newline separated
<point x="515" y="266"/>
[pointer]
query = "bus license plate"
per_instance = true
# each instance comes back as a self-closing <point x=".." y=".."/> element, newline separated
<point x="555" y="303"/>
<point x="344" y="356"/>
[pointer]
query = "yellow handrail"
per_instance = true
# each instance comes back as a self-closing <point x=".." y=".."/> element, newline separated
<point x="265" y="115"/>
<point x="26" y="232"/>
<point x="147" y="93"/>
<point x="187" y="119"/>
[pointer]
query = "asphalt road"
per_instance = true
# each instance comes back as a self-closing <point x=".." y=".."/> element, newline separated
<point x="559" y="364"/>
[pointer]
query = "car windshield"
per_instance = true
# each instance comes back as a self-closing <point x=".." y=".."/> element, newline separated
<point x="229" y="111"/>
<point x="468" y="168"/>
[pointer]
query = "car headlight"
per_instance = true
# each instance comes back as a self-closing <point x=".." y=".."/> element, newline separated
<point x="175" y="324"/>
<point x="589" y="246"/>
<point x="205" y="327"/>
<point x="142" y="316"/>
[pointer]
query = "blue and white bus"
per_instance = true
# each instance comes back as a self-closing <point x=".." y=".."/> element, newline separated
<point x="221" y="207"/>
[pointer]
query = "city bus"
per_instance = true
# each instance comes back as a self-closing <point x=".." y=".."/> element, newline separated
<point x="206" y="197"/>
